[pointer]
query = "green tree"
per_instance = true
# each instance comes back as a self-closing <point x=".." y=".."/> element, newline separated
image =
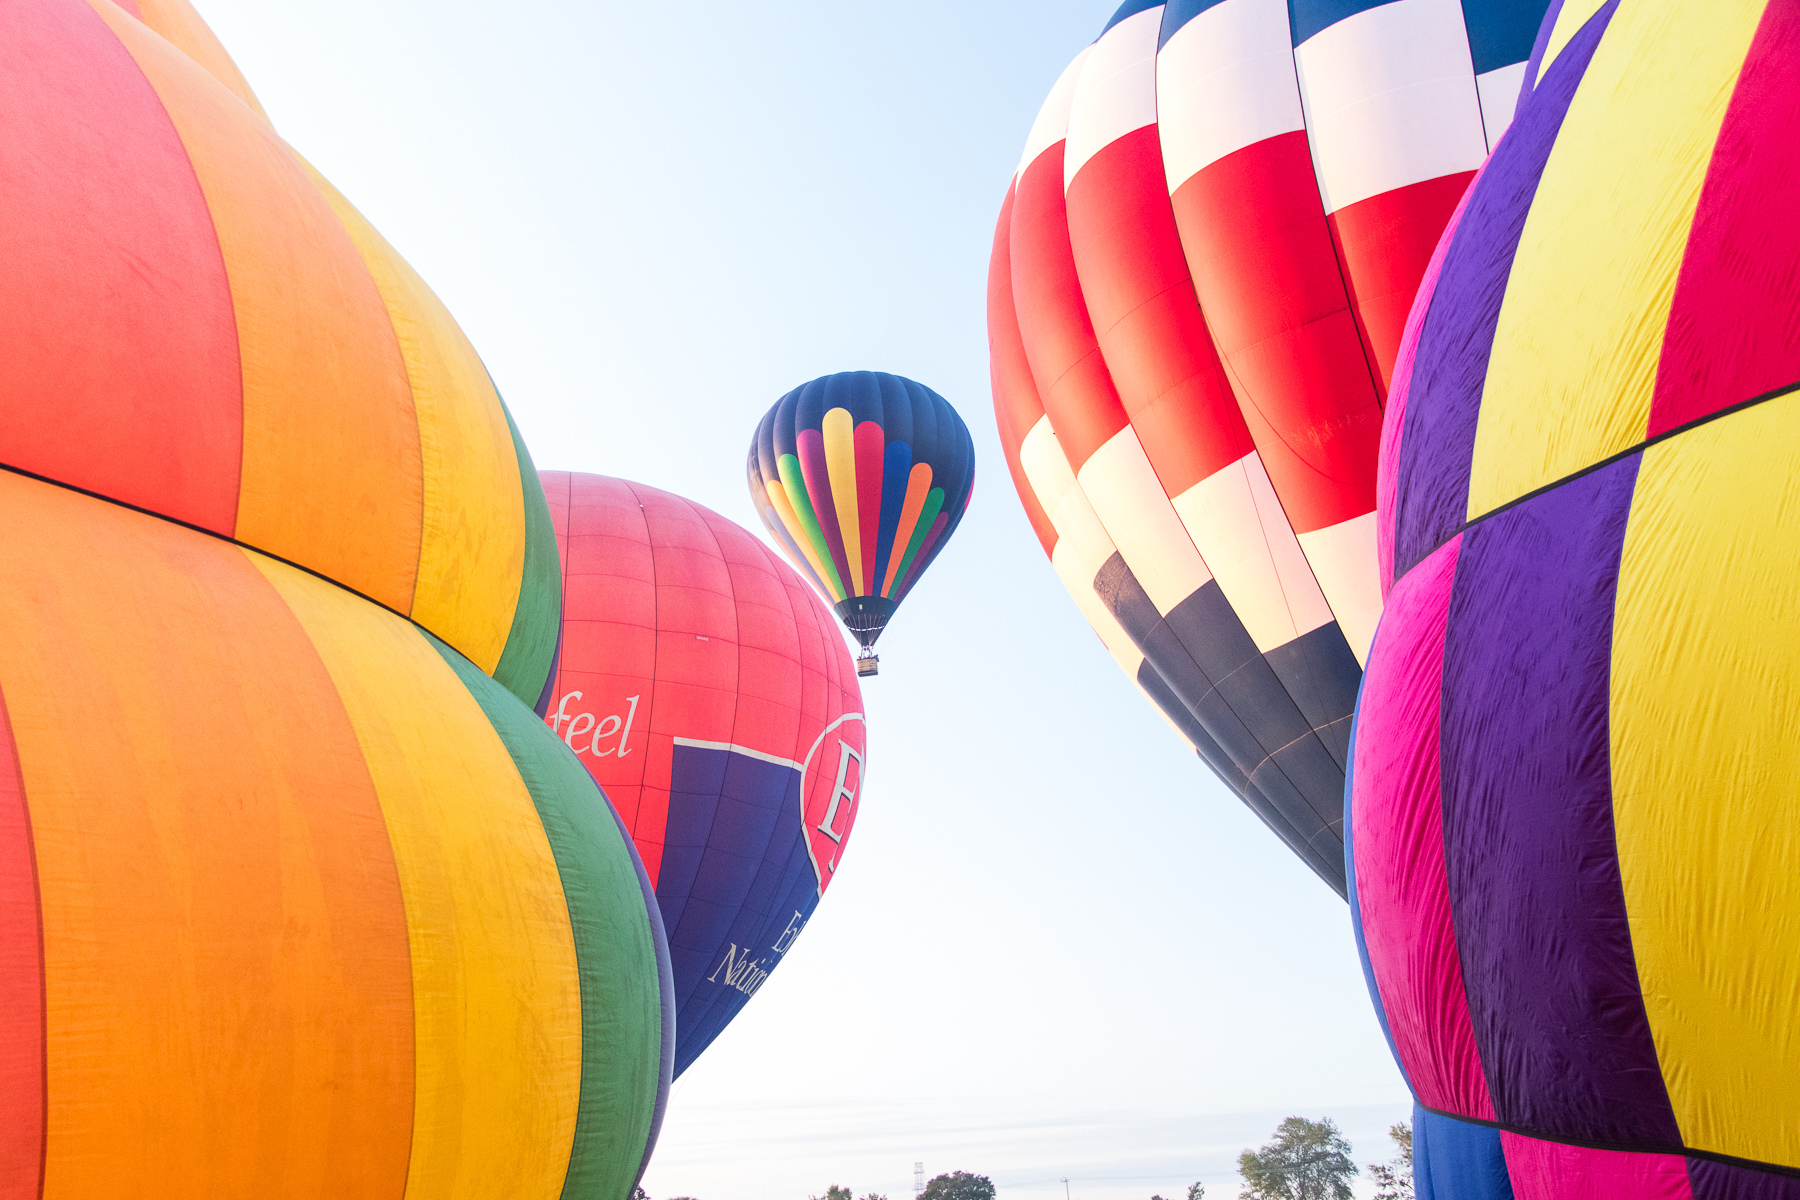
<point x="1394" y="1181"/>
<point x="834" y="1192"/>
<point x="959" y="1185"/>
<point x="1195" y="1192"/>
<point x="1307" y="1160"/>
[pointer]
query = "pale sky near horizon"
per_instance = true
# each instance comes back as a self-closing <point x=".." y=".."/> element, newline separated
<point x="1058" y="947"/>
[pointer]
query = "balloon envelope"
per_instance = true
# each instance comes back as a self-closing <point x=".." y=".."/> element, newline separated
<point x="303" y="902"/>
<point x="1198" y="283"/>
<point x="232" y="346"/>
<point x="862" y="477"/>
<point x="710" y="693"/>
<point x="1576" y="863"/>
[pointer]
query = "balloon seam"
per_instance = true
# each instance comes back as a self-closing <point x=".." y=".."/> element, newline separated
<point x="1337" y="252"/>
<point x="1637" y="448"/>
<point x="1749" y="1164"/>
<point x="213" y="533"/>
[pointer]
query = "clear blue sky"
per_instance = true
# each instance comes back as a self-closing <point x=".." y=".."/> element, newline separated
<point x="1058" y="947"/>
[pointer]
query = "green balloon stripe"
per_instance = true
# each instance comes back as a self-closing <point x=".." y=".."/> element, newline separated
<point x="795" y="486"/>
<point x="615" y="949"/>
<point x="524" y="666"/>
<point x="934" y="504"/>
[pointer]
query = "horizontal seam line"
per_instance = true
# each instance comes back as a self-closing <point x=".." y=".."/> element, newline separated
<point x="1640" y="447"/>
<point x="1752" y="1164"/>
<point x="220" y="537"/>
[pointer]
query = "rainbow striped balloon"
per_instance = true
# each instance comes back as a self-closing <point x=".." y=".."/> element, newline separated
<point x="297" y="896"/>
<point x="862" y="477"/>
<point x="293" y="898"/>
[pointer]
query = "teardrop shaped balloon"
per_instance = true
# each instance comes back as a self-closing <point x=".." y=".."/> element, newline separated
<point x="862" y="477"/>
<point x="1198" y="282"/>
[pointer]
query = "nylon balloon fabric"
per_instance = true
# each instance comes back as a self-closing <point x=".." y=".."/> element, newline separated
<point x="297" y="894"/>
<point x="330" y="912"/>
<point x="862" y="477"/>
<point x="1198" y="284"/>
<point x="707" y="689"/>
<point x="232" y="346"/>
<point x="1461" y="1160"/>
<point x="1574" y="855"/>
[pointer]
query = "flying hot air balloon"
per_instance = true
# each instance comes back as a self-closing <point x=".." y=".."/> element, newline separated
<point x="306" y="900"/>
<point x="1576" y="861"/>
<point x="1197" y="286"/>
<point x="707" y="689"/>
<point x="862" y="477"/>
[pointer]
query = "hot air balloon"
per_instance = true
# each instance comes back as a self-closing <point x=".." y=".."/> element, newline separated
<point x="297" y="895"/>
<point x="1576" y="869"/>
<point x="302" y="901"/>
<point x="862" y="477"/>
<point x="1197" y="287"/>
<point x="708" y="691"/>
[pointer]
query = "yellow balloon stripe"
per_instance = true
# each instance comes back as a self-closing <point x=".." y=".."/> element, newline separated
<point x="1704" y="761"/>
<point x="472" y="540"/>
<point x="839" y="430"/>
<point x="1569" y="20"/>
<point x="497" y="997"/>
<point x="784" y="508"/>
<point x="1581" y="329"/>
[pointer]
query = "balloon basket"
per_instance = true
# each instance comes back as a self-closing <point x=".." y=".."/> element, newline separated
<point x="868" y="664"/>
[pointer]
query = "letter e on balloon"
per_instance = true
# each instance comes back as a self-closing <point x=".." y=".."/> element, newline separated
<point x="830" y="792"/>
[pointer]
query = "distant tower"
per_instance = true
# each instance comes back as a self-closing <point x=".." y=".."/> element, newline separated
<point x="918" y="1178"/>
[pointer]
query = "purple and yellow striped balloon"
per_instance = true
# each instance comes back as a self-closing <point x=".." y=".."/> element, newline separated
<point x="862" y="477"/>
<point x="1576" y="864"/>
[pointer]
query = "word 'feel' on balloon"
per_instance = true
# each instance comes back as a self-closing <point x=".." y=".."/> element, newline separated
<point x="606" y="727"/>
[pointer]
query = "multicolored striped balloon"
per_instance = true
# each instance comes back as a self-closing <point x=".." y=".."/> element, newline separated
<point x="230" y="345"/>
<point x="1198" y="284"/>
<point x="1577" y="865"/>
<point x="297" y="896"/>
<point x="293" y="898"/>
<point x="708" y="690"/>
<point x="862" y="477"/>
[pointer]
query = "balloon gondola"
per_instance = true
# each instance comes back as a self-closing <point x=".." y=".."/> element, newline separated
<point x="861" y="477"/>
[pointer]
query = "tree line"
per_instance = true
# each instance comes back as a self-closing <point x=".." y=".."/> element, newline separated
<point x="1305" y="1160"/>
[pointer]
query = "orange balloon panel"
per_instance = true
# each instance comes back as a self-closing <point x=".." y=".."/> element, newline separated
<point x="204" y="331"/>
